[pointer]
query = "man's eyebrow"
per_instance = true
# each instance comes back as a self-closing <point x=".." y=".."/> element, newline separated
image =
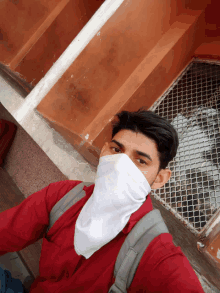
<point x="138" y="152"/>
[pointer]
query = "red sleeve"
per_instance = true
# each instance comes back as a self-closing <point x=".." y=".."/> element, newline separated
<point x="164" y="268"/>
<point x="24" y="224"/>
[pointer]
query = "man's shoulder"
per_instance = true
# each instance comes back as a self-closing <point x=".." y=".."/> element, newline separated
<point x="162" y="246"/>
<point x="64" y="186"/>
<point x="159" y="249"/>
<point x="58" y="190"/>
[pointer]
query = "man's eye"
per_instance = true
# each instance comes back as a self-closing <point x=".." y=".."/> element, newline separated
<point x="142" y="162"/>
<point x="115" y="149"/>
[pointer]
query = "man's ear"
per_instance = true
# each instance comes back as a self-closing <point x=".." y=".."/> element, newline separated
<point x="162" y="177"/>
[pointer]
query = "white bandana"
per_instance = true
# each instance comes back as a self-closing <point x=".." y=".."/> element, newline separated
<point x="120" y="189"/>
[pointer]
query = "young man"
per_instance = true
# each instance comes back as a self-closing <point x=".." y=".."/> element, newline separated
<point x="80" y="250"/>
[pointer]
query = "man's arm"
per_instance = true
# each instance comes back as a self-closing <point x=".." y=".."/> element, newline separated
<point x="24" y="224"/>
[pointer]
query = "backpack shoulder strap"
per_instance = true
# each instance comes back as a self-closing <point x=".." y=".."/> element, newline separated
<point x="133" y="248"/>
<point x="66" y="202"/>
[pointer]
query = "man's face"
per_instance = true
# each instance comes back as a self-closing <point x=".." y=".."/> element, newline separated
<point x="147" y="161"/>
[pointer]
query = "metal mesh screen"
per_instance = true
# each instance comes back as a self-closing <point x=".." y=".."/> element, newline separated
<point x="192" y="105"/>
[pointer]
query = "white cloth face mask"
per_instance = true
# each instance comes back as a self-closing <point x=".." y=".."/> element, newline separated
<point x="120" y="189"/>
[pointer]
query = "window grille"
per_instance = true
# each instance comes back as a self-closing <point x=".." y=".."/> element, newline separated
<point x="192" y="105"/>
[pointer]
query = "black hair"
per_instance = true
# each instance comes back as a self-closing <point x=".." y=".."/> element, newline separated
<point x="154" y="127"/>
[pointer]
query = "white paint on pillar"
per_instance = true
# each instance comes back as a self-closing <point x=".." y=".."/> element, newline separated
<point x="218" y="253"/>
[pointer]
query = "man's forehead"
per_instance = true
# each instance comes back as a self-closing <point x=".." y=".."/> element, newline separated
<point x="130" y="137"/>
<point x="137" y="141"/>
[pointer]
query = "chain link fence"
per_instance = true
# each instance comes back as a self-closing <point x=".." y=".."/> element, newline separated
<point x="192" y="105"/>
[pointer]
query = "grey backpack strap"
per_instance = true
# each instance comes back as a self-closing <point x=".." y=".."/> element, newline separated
<point x="133" y="248"/>
<point x="66" y="202"/>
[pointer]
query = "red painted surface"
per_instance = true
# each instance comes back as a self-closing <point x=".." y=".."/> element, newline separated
<point x="158" y="74"/>
<point x="107" y="62"/>
<point x="214" y="248"/>
<point x="212" y="19"/>
<point x="56" y="39"/>
<point x="33" y="34"/>
<point x="209" y="50"/>
<point x="19" y="20"/>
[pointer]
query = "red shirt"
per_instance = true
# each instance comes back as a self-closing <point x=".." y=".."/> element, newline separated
<point x="163" y="267"/>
